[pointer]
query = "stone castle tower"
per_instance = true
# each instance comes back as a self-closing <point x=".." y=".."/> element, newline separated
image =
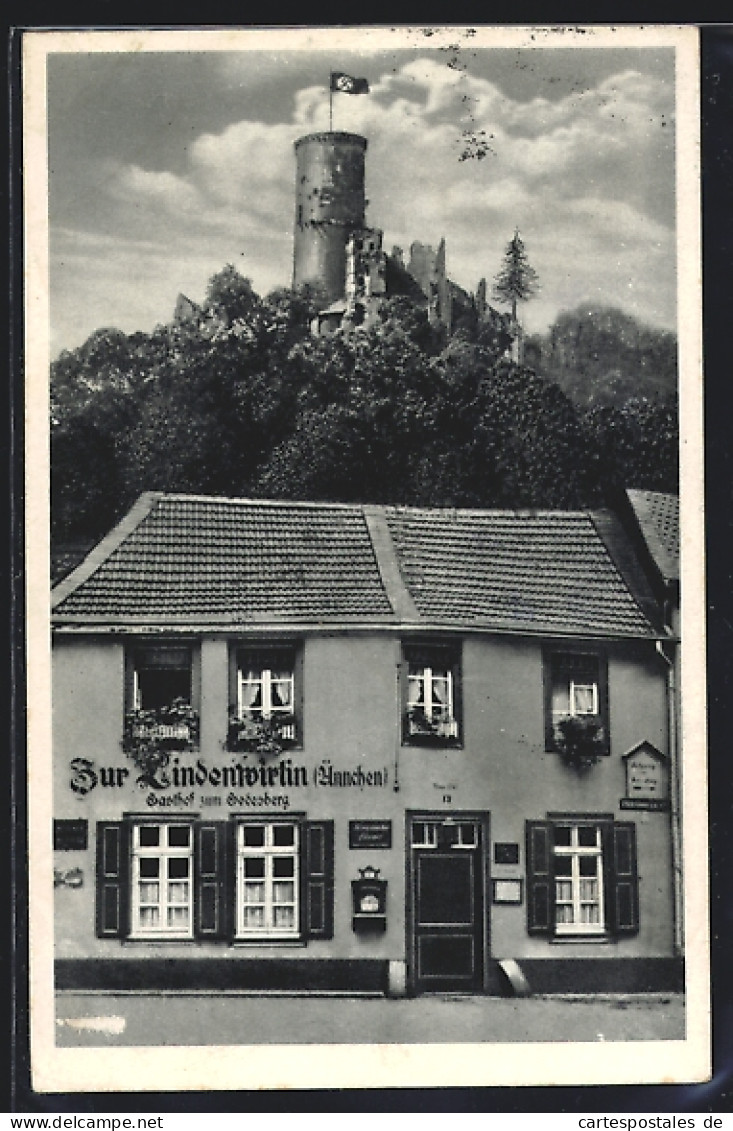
<point x="329" y="207"/>
<point x="335" y="251"/>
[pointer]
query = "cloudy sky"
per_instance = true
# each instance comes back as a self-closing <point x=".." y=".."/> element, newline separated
<point x="166" y="165"/>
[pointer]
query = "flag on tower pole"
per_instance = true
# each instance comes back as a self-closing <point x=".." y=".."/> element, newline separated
<point x="343" y="84"/>
<point x="347" y="84"/>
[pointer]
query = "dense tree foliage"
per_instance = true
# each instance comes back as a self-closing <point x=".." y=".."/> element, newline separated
<point x="601" y="356"/>
<point x="633" y="444"/>
<point x="241" y="399"/>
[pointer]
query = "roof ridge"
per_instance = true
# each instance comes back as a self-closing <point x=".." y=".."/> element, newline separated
<point x="248" y="500"/>
<point x="326" y="504"/>
<point x="522" y="512"/>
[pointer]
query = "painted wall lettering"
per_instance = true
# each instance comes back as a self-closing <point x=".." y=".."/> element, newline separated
<point x="233" y="779"/>
<point x="327" y="775"/>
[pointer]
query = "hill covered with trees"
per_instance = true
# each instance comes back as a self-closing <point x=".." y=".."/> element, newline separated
<point x="240" y="399"/>
<point x="601" y="356"/>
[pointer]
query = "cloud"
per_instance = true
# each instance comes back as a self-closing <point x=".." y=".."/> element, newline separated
<point x="587" y="177"/>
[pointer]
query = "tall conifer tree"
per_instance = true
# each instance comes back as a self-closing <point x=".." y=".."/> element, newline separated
<point x="516" y="282"/>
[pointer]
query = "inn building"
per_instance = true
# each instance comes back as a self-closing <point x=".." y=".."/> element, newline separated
<point x="364" y="748"/>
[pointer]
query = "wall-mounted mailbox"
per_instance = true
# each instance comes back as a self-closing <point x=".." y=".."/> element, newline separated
<point x="369" y="898"/>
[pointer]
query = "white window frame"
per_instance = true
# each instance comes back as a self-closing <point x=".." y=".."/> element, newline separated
<point x="576" y="851"/>
<point x="466" y="842"/>
<point x="269" y="852"/>
<point x="573" y="685"/>
<point x="425" y="833"/>
<point x="429" y="834"/>
<point x="573" y="702"/>
<point x="420" y="679"/>
<point x="267" y="709"/>
<point x="163" y="852"/>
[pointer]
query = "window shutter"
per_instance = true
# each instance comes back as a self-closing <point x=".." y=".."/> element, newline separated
<point x="603" y="707"/>
<point x="319" y="879"/>
<point x="624" y="880"/>
<point x="298" y="694"/>
<point x="540" y="903"/>
<point x="457" y="694"/>
<point x="112" y="879"/>
<point x="210" y="880"/>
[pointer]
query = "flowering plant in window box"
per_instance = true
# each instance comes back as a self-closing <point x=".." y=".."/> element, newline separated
<point x="579" y="739"/>
<point x="151" y="734"/>
<point x="432" y="728"/>
<point x="256" y="734"/>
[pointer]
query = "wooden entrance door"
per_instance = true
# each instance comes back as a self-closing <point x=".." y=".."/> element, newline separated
<point x="447" y="904"/>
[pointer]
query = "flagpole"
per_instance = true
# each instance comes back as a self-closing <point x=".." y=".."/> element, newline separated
<point x="330" y="104"/>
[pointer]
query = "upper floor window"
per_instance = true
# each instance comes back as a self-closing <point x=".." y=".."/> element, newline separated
<point x="576" y="701"/>
<point x="432" y="707"/>
<point x="265" y="684"/>
<point x="161" y="696"/>
<point x="160" y="675"/>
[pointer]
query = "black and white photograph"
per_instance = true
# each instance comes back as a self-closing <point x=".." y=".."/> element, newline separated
<point x="366" y="712"/>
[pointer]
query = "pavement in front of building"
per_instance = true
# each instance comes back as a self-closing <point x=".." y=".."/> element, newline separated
<point x="110" y="1020"/>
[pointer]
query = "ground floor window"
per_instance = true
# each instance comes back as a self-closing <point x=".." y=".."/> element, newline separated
<point x="234" y="880"/>
<point x="267" y="880"/>
<point x="581" y="877"/>
<point x="162" y="873"/>
<point x="578" y="861"/>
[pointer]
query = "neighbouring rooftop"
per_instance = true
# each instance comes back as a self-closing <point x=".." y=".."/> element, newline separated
<point x="658" y="515"/>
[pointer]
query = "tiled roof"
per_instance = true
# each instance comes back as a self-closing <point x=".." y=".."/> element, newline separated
<point x="235" y="561"/>
<point x="658" y="515"/>
<point x="184" y="560"/>
<point x="546" y="571"/>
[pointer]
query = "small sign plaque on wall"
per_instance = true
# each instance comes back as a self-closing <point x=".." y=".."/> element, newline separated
<point x="70" y="835"/>
<point x="506" y="852"/>
<point x="647" y="779"/>
<point x="507" y="891"/>
<point x="370" y="834"/>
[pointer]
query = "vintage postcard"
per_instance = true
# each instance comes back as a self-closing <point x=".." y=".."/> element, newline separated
<point x="366" y="709"/>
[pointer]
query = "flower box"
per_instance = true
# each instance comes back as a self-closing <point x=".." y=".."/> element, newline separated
<point x="258" y="735"/>
<point x="434" y="728"/>
<point x="579" y="739"/>
<point x="173" y="727"/>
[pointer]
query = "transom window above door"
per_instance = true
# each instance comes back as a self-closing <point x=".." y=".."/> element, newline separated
<point x="449" y="833"/>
